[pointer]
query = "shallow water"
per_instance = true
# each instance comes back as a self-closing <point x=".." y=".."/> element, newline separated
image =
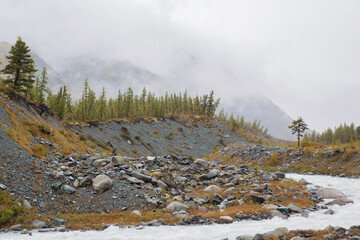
<point x="344" y="216"/>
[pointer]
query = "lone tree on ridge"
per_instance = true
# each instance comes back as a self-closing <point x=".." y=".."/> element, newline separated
<point x="298" y="127"/>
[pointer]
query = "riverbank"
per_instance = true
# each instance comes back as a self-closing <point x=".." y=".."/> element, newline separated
<point x="343" y="216"/>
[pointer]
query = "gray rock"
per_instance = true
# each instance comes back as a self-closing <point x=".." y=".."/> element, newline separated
<point x="39" y="224"/>
<point x="277" y="232"/>
<point x="101" y="183"/>
<point x="16" y="227"/>
<point x="86" y="181"/>
<point x="2" y="186"/>
<point x="329" y="193"/>
<point x="225" y="219"/>
<point x="135" y="180"/>
<point x="329" y="212"/>
<point x="296" y="238"/>
<point x="244" y="237"/>
<point x="176" y="206"/>
<point x="100" y="162"/>
<point x="68" y="189"/>
<point x="277" y="213"/>
<point x="328" y="237"/>
<point x="208" y="176"/>
<point x="27" y="204"/>
<point x="294" y="208"/>
<point x="180" y="214"/>
<point x="59" y="221"/>
<point x="58" y="174"/>
<point x="279" y="175"/>
<point x="340" y="201"/>
<point x="141" y="176"/>
<point x="212" y="188"/>
<point x="115" y="161"/>
<point x="201" y="162"/>
<point x="303" y="181"/>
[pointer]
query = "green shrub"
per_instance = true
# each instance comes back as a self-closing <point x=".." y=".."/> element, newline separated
<point x="82" y="137"/>
<point x="44" y="129"/>
<point x="8" y="208"/>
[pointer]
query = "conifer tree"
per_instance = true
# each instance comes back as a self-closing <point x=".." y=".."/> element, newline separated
<point x="298" y="127"/>
<point x="42" y="86"/>
<point x="21" y="67"/>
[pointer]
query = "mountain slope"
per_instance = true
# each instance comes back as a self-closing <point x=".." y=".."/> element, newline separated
<point x="263" y="109"/>
<point x="113" y="75"/>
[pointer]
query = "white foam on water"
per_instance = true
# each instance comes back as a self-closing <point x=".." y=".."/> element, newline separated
<point x="345" y="216"/>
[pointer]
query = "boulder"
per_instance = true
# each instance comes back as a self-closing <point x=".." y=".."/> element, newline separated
<point x="136" y="212"/>
<point x="294" y="208"/>
<point x="329" y="193"/>
<point x="176" y="206"/>
<point x="27" y="204"/>
<point x="340" y="201"/>
<point x="277" y="213"/>
<point x="16" y="227"/>
<point x="115" y="161"/>
<point x="68" y="189"/>
<point x="329" y="212"/>
<point x="254" y="198"/>
<point x="270" y="206"/>
<point x="180" y="214"/>
<point x="303" y="181"/>
<point x="39" y="224"/>
<point x="135" y="180"/>
<point x="202" y="163"/>
<point x="76" y="183"/>
<point x="58" y="174"/>
<point x="279" y="175"/>
<point x="296" y="238"/>
<point x="100" y="162"/>
<point x="225" y="219"/>
<point x="212" y="188"/>
<point x="86" y="181"/>
<point x="208" y="176"/>
<point x="59" y="222"/>
<point x="277" y="232"/>
<point x="141" y="176"/>
<point x="101" y="183"/>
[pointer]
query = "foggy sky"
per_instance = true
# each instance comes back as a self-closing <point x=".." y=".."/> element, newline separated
<point x="303" y="55"/>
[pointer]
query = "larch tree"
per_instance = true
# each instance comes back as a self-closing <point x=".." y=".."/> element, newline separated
<point x="21" y="67"/>
<point x="298" y="127"/>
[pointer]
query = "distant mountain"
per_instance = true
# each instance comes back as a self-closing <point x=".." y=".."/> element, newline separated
<point x="263" y="109"/>
<point x="113" y="75"/>
<point x="55" y="80"/>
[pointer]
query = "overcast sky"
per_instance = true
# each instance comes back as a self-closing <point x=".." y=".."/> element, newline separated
<point x="303" y="55"/>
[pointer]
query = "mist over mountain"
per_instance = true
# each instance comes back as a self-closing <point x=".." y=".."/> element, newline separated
<point x="55" y="79"/>
<point x="113" y="75"/>
<point x="262" y="108"/>
<point x="117" y="75"/>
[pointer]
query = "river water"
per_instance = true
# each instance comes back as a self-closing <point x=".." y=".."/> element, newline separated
<point x="345" y="216"/>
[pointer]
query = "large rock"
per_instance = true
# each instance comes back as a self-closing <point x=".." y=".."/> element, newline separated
<point x="212" y="188"/>
<point x="141" y="176"/>
<point x="277" y="232"/>
<point x="294" y="208"/>
<point x="208" y="176"/>
<point x="329" y="193"/>
<point x="101" y="183"/>
<point x="340" y="201"/>
<point x="68" y="189"/>
<point x="226" y="219"/>
<point x="86" y="181"/>
<point x="277" y="213"/>
<point x="100" y="162"/>
<point x="115" y="161"/>
<point x="39" y="224"/>
<point x="176" y="206"/>
<point x="201" y="162"/>
<point x="16" y="227"/>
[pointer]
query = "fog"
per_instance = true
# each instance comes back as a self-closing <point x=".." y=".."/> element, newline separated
<point x="303" y="55"/>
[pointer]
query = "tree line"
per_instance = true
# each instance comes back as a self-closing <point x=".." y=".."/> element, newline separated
<point x="341" y="134"/>
<point x="20" y="75"/>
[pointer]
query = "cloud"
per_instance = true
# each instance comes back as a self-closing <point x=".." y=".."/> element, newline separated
<point x="304" y="55"/>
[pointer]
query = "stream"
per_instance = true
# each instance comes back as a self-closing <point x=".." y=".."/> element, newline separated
<point x="345" y="216"/>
